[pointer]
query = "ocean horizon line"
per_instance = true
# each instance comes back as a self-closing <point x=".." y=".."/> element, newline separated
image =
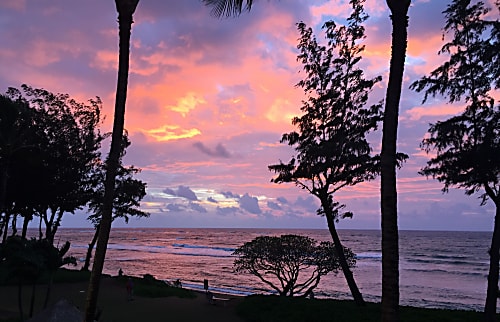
<point x="278" y="228"/>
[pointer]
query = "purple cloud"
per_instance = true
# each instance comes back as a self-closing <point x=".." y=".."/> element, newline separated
<point x="187" y="193"/>
<point x="227" y="210"/>
<point x="197" y="207"/>
<point x="309" y="203"/>
<point x="250" y="204"/>
<point x="174" y="207"/>
<point x="230" y="195"/>
<point x="282" y="200"/>
<point x="169" y="191"/>
<point x="183" y="192"/>
<point x="273" y="205"/>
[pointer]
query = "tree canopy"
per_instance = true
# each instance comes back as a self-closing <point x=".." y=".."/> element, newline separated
<point x="332" y="150"/>
<point x="279" y="261"/>
<point x="46" y="171"/>
<point x="467" y="146"/>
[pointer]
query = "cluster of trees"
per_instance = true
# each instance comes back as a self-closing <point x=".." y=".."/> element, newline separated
<point x="320" y="178"/>
<point x="331" y="147"/>
<point x="51" y="165"/>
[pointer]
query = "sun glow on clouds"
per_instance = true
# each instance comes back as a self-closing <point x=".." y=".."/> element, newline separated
<point x="187" y="103"/>
<point x="208" y="100"/>
<point x="172" y="132"/>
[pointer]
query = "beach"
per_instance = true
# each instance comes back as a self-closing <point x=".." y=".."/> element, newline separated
<point x="193" y="306"/>
<point x="437" y="269"/>
<point x="115" y="306"/>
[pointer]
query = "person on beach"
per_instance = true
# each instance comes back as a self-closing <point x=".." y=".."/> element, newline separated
<point x="130" y="289"/>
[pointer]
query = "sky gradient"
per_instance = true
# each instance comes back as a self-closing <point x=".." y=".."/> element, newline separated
<point x="208" y="100"/>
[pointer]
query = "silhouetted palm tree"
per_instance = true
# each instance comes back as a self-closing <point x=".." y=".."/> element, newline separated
<point x="389" y="220"/>
<point x="389" y="209"/>
<point x="125" y="9"/>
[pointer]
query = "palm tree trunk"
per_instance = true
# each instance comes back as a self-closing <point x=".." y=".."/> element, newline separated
<point x="490" y="307"/>
<point x="389" y="221"/>
<point x="353" y="287"/>
<point x="126" y="9"/>
<point x="91" y="247"/>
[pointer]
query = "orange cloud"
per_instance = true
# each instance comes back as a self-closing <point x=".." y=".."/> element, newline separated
<point x="187" y="103"/>
<point x="171" y="132"/>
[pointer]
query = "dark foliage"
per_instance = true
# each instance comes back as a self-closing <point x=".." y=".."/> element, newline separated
<point x="282" y="262"/>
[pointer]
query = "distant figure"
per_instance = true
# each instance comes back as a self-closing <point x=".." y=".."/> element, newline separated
<point x="178" y="283"/>
<point x="120" y="272"/>
<point x="130" y="289"/>
<point x="205" y="285"/>
<point x="311" y="295"/>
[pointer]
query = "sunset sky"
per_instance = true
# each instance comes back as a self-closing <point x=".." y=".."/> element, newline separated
<point x="209" y="98"/>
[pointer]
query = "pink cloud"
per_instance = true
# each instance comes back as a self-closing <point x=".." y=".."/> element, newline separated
<point x="439" y="111"/>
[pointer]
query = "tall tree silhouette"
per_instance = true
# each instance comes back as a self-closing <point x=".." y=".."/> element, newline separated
<point x="468" y="145"/>
<point x="388" y="160"/>
<point x="125" y="9"/>
<point x="389" y="220"/>
<point x="332" y="151"/>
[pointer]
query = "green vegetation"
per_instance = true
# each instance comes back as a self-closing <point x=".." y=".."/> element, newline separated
<point x="260" y="308"/>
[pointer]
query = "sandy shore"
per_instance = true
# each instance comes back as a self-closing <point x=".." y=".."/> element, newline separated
<point x="115" y="307"/>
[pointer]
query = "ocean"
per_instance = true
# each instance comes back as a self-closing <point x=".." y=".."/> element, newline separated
<point x="437" y="269"/>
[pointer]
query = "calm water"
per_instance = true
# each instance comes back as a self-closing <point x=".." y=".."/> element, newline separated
<point x="437" y="269"/>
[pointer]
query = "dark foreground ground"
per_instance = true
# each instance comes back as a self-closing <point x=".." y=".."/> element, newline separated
<point x="154" y="302"/>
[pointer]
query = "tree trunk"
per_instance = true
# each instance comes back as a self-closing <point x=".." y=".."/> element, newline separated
<point x="353" y="287"/>
<point x="126" y="9"/>
<point x="26" y="221"/>
<point x="3" y="197"/>
<point x="89" y="250"/>
<point x="6" y="227"/>
<point x="389" y="220"/>
<point x="14" y="225"/>
<point x="490" y="307"/>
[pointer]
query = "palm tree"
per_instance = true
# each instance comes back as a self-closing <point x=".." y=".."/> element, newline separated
<point x="125" y="9"/>
<point x="388" y="160"/>
<point x="389" y="222"/>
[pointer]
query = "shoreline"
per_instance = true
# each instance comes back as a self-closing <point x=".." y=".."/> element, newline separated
<point x="116" y="307"/>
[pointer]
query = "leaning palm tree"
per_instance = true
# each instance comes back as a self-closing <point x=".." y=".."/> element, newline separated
<point x="125" y="9"/>
<point x="389" y="220"/>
